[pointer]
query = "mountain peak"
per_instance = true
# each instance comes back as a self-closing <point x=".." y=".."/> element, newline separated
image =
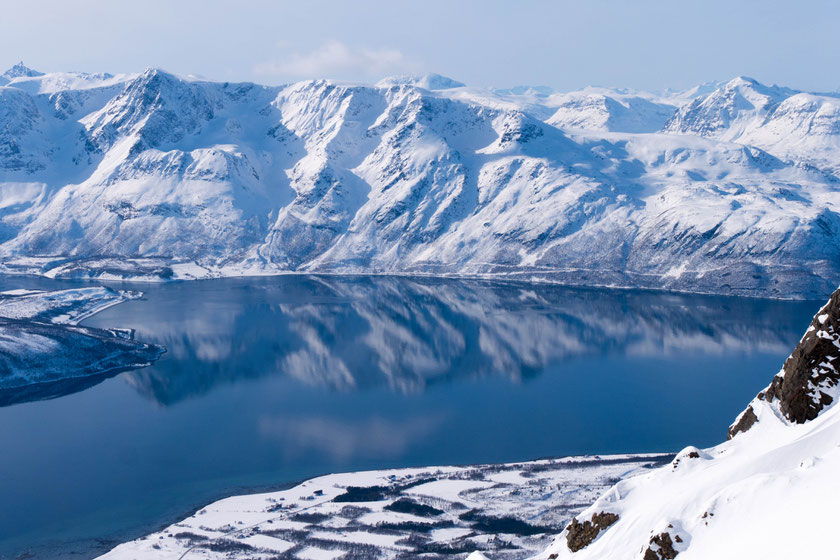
<point x="153" y="72"/>
<point x="425" y="81"/>
<point x="155" y="78"/>
<point x="20" y="70"/>
<point x="747" y="84"/>
<point x="743" y="81"/>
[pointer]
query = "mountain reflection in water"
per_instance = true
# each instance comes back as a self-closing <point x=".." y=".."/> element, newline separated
<point x="407" y="334"/>
<point x="271" y="380"/>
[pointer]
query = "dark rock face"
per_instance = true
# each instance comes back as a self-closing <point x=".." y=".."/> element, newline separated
<point x="744" y="422"/>
<point x="801" y="388"/>
<point x="811" y="368"/>
<point x="661" y="548"/>
<point x="580" y="535"/>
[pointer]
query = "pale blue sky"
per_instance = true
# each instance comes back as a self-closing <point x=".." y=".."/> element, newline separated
<point x="566" y="44"/>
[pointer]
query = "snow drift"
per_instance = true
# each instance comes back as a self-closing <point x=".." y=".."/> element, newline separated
<point x="770" y="491"/>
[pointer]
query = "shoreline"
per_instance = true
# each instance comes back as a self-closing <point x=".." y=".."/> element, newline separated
<point x="502" y="278"/>
<point x="331" y="486"/>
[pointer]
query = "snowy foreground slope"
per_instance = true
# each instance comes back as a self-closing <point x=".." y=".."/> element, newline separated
<point x="507" y="511"/>
<point x="731" y="188"/>
<point x="45" y="354"/>
<point x="769" y="492"/>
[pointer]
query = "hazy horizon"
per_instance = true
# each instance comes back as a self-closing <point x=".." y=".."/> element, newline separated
<point x="648" y="45"/>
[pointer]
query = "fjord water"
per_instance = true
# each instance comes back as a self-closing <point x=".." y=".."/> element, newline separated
<point x="271" y="380"/>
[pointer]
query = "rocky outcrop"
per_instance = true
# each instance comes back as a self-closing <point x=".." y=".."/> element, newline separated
<point x="580" y="535"/>
<point x="809" y="379"/>
<point x="744" y="422"/>
<point x="743" y="486"/>
<point x="661" y="548"/>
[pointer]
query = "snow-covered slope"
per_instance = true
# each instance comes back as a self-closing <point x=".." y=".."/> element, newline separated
<point x="155" y="175"/>
<point x="769" y="492"/>
<point x="793" y="125"/>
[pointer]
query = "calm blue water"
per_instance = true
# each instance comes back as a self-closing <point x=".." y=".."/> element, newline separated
<point x="269" y="381"/>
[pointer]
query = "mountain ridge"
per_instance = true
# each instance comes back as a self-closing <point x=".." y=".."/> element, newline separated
<point x="102" y="174"/>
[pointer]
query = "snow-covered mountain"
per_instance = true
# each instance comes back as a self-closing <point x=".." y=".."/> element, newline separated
<point x="19" y="70"/>
<point x="425" y="81"/>
<point x="155" y="175"/>
<point x="793" y="125"/>
<point x="770" y="491"/>
<point x="605" y="110"/>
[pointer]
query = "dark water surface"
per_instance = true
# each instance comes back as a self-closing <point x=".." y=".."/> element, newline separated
<point x="269" y="381"/>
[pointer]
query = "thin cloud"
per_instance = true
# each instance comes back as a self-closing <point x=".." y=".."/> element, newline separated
<point x="341" y="440"/>
<point x="334" y="59"/>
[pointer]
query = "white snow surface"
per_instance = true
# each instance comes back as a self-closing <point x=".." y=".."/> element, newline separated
<point x="770" y="492"/>
<point x="731" y="189"/>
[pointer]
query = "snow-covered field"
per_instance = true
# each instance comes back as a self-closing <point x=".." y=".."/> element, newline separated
<point x="45" y="353"/>
<point x="725" y="188"/>
<point x="509" y="511"/>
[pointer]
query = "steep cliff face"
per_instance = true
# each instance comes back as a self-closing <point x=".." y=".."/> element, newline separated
<point x="420" y="175"/>
<point x="777" y="469"/>
<point x="808" y="382"/>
